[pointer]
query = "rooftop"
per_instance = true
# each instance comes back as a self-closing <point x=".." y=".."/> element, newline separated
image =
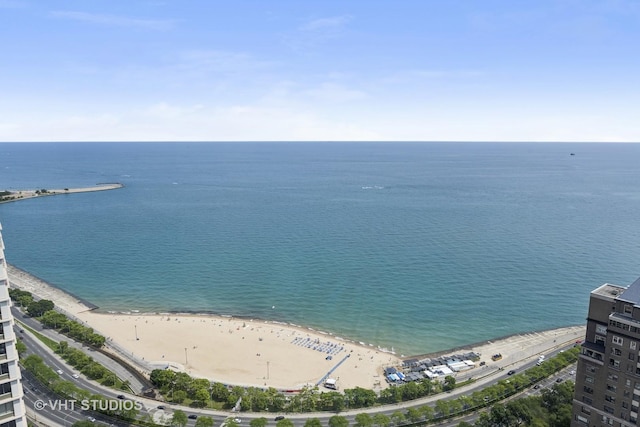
<point x="609" y="291"/>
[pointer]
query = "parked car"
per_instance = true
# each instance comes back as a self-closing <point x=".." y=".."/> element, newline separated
<point x="279" y="417"/>
<point x="511" y="372"/>
<point x="192" y="416"/>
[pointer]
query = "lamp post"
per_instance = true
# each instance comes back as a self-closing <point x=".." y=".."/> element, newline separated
<point x="135" y="328"/>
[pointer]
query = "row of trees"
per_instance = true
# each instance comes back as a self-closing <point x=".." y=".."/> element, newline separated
<point x="5" y="196"/>
<point x="25" y="300"/>
<point x="69" y="390"/>
<point x="179" y="387"/>
<point x="89" y="367"/>
<point x="44" y="310"/>
<point x="71" y="328"/>
<point x="551" y="408"/>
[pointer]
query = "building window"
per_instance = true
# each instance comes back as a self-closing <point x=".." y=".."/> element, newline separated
<point x="588" y="380"/>
<point x="632" y="356"/>
<point x="625" y="405"/>
<point x="591" y="369"/>
<point x="587" y="400"/>
<point x="617" y="340"/>
<point x="628" y="309"/>
<point x="611" y="388"/>
<point x="586" y="410"/>
<point x="612" y="377"/>
<point x="5" y="388"/>
<point x="6" y="408"/>
<point x="583" y="420"/>
<point x="609" y="398"/>
<point x="588" y="390"/>
<point x="632" y="345"/>
<point x="616" y="352"/>
<point x="601" y="329"/>
<point x="614" y="363"/>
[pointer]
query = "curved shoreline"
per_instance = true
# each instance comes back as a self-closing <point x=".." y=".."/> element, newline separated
<point x="263" y="353"/>
<point x="18" y="195"/>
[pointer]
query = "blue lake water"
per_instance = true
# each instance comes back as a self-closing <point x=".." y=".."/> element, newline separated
<point x="416" y="246"/>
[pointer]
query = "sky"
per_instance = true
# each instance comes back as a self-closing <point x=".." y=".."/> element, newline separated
<point x="320" y="70"/>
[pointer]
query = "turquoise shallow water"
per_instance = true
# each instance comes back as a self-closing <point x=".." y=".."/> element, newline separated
<point x="420" y="247"/>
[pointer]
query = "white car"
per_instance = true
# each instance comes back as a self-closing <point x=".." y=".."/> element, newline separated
<point x="59" y="371"/>
<point x="93" y="420"/>
<point x="75" y="376"/>
<point x="238" y="420"/>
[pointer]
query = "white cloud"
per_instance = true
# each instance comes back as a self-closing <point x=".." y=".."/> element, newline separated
<point x="169" y="122"/>
<point x="114" y="20"/>
<point x="317" y="32"/>
<point x="326" y="23"/>
<point x="333" y="92"/>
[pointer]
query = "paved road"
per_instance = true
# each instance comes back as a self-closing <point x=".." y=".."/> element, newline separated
<point x="65" y="416"/>
<point x="123" y="373"/>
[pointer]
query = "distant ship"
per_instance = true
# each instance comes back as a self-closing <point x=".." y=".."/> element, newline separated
<point x="573" y="154"/>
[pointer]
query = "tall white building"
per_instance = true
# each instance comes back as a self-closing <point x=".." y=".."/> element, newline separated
<point x="12" y="410"/>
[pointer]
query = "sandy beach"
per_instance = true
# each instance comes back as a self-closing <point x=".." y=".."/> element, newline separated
<point x="260" y="353"/>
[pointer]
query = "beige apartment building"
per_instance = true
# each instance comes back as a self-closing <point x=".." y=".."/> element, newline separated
<point x="608" y="374"/>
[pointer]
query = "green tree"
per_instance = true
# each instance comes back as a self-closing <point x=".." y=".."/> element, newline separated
<point x="21" y="347"/>
<point x="449" y="383"/>
<point x="338" y="421"/>
<point x="219" y="392"/>
<point x="179" y="396"/>
<point x="312" y="422"/>
<point x="20" y="297"/>
<point x="414" y="415"/>
<point x="258" y="422"/>
<point x="410" y="391"/>
<point x="397" y="417"/>
<point x="381" y="420"/>
<point x="204" y="422"/>
<point x="38" y="308"/>
<point x="360" y="397"/>
<point x="83" y="423"/>
<point x="427" y="412"/>
<point x="285" y="423"/>
<point x="179" y="419"/>
<point x="201" y="396"/>
<point x="363" y="420"/>
<point x="162" y="378"/>
<point x="442" y="407"/>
